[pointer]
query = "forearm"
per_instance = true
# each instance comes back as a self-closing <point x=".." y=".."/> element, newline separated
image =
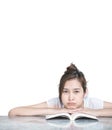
<point x="100" y="112"/>
<point x="30" y="111"/>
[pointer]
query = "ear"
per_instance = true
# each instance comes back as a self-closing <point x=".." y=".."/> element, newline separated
<point x="86" y="93"/>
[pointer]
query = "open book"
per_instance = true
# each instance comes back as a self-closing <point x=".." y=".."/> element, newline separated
<point x="71" y="116"/>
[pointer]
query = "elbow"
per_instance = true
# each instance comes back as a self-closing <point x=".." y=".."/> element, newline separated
<point x="11" y="113"/>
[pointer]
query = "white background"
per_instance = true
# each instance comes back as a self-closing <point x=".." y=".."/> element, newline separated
<point x="40" y="38"/>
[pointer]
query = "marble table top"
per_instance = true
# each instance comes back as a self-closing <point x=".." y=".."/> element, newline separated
<point x="40" y="123"/>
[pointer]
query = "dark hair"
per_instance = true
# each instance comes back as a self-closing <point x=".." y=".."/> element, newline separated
<point x="72" y="72"/>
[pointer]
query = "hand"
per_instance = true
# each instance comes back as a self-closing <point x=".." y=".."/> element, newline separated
<point x="71" y="111"/>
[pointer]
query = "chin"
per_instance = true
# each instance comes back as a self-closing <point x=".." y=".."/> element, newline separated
<point x="71" y="107"/>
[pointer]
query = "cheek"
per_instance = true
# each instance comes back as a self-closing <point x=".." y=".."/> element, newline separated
<point x="80" y="99"/>
<point x="64" y="98"/>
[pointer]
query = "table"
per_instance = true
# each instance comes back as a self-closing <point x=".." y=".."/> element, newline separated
<point x="40" y="123"/>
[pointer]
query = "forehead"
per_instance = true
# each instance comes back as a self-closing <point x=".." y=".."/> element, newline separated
<point x="73" y="83"/>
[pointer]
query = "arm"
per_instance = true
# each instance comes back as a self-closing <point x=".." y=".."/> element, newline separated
<point x="105" y="112"/>
<point x="34" y="110"/>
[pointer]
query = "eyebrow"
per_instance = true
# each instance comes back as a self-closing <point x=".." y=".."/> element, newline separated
<point x="73" y="89"/>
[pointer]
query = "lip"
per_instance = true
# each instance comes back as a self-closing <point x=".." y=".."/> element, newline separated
<point x="71" y="104"/>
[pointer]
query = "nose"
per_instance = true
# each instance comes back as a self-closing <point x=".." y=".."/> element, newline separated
<point x="71" y="96"/>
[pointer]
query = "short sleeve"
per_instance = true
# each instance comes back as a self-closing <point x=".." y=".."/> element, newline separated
<point x="54" y="102"/>
<point x="93" y="103"/>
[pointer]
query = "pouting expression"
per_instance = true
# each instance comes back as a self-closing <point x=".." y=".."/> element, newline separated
<point x="72" y="94"/>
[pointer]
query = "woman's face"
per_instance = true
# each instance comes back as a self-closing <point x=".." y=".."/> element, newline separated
<point x="72" y="94"/>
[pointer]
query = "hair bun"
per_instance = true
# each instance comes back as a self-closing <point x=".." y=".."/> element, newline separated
<point x="71" y="69"/>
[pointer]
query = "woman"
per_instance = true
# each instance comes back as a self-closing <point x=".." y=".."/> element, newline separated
<point x="72" y="98"/>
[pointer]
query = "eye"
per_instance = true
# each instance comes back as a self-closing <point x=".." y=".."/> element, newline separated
<point x="76" y="91"/>
<point x="65" y="91"/>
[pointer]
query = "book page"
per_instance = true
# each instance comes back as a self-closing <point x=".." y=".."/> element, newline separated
<point x="83" y="115"/>
<point x="71" y="116"/>
<point x="59" y="115"/>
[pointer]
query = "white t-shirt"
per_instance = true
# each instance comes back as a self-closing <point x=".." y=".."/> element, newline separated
<point x="92" y="103"/>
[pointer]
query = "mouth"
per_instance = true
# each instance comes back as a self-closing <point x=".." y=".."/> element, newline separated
<point x="71" y="104"/>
